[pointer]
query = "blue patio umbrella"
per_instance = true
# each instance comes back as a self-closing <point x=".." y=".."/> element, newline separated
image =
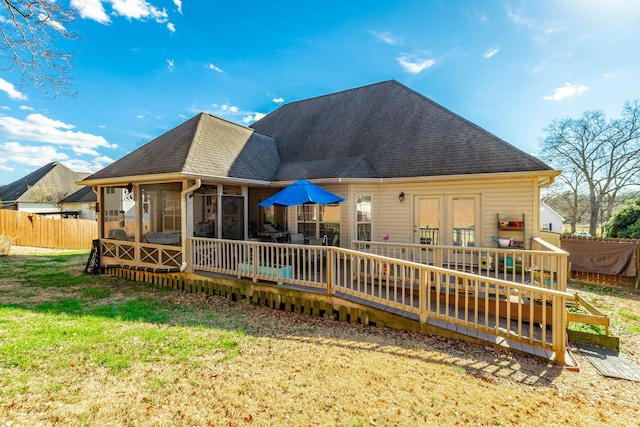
<point x="301" y="192"/>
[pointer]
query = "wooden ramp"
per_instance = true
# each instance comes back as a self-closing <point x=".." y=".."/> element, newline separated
<point x="459" y="331"/>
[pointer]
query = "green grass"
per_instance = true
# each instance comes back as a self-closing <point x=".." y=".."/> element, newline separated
<point x="583" y="327"/>
<point x="69" y="319"/>
<point x="631" y="316"/>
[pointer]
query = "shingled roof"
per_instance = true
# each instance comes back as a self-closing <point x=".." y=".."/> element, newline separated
<point x="54" y="175"/>
<point x="204" y="145"/>
<point x="384" y="130"/>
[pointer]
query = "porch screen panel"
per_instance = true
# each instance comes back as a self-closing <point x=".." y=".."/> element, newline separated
<point x="161" y="212"/>
<point x="233" y="217"/>
<point x="205" y="212"/>
<point x="119" y="213"/>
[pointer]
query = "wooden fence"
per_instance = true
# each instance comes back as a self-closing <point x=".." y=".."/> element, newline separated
<point x="29" y="229"/>
<point x="602" y="278"/>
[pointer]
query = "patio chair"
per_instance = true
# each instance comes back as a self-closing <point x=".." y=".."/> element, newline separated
<point x="119" y="234"/>
<point x="274" y="233"/>
<point x="296" y="238"/>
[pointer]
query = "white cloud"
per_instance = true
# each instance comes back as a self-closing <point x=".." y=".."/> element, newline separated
<point x="541" y="30"/>
<point x="178" y="3"/>
<point x="415" y="65"/>
<point x="229" y="108"/>
<point x="170" y="64"/>
<point x="387" y="38"/>
<point x="25" y="108"/>
<point x="565" y="91"/>
<point x="94" y="165"/>
<point x="138" y="9"/>
<point x="519" y="19"/>
<point x="171" y="27"/>
<point x="52" y="23"/>
<point x="278" y="100"/>
<point x="38" y="128"/>
<point x="253" y="117"/>
<point x="38" y="140"/>
<point x="491" y="52"/>
<point x="11" y="91"/>
<point x="130" y="9"/>
<point x="91" y="9"/>
<point x="13" y="153"/>
<point x="213" y="67"/>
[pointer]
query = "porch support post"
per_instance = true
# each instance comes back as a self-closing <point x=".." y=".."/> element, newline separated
<point x="187" y="215"/>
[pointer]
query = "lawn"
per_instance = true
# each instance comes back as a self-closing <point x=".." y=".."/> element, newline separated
<point x="80" y="350"/>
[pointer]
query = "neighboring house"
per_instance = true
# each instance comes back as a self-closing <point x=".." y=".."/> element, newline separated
<point x="43" y="190"/>
<point x="82" y="203"/>
<point x="409" y="170"/>
<point x="550" y="220"/>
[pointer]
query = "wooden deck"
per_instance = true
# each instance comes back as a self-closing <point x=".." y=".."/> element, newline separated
<point x="499" y="304"/>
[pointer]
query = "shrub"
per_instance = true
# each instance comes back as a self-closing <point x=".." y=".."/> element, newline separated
<point x="626" y="222"/>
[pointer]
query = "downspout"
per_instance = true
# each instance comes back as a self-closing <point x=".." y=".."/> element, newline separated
<point x="183" y="209"/>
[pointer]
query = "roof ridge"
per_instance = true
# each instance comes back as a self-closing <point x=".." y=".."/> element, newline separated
<point x="326" y="95"/>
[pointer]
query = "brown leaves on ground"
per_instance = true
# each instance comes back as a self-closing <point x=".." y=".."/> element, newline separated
<point x="297" y="370"/>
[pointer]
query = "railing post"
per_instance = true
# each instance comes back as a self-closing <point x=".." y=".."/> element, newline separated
<point x="422" y="294"/>
<point x="255" y="263"/>
<point x="559" y="340"/>
<point x="331" y="255"/>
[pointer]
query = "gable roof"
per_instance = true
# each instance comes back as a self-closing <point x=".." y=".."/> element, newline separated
<point x="393" y="130"/>
<point x="83" y="195"/>
<point x="53" y="175"/>
<point x="204" y="145"/>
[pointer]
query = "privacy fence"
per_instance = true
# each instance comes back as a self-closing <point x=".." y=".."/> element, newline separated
<point x="607" y="261"/>
<point x="29" y="229"/>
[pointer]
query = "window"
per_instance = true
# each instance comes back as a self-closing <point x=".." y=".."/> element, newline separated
<point x="319" y="221"/>
<point x="364" y="217"/>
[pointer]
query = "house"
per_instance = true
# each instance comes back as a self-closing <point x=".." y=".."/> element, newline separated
<point x="550" y="220"/>
<point x="45" y="190"/>
<point x="414" y="177"/>
<point x="408" y="169"/>
<point x="82" y="202"/>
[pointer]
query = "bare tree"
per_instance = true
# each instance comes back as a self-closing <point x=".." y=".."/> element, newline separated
<point x="599" y="157"/>
<point x="30" y="31"/>
<point x="49" y="194"/>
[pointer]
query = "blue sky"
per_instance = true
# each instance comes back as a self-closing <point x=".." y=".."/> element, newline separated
<point x="145" y="66"/>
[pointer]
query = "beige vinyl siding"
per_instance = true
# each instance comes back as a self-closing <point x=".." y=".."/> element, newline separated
<point x="507" y="197"/>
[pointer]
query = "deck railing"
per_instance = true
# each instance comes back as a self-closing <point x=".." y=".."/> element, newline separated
<point x="140" y="255"/>
<point x="276" y="262"/>
<point x="460" y="290"/>
<point x="544" y="265"/>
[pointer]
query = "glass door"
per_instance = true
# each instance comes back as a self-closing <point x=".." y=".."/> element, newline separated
<point x="428" y="220"/>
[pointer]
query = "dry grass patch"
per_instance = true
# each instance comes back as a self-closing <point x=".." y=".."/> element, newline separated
<point x="189" y="360"/>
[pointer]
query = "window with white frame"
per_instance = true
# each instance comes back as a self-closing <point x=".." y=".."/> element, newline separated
<point x="364" y="216"/>
<point x="319" y="221"/>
